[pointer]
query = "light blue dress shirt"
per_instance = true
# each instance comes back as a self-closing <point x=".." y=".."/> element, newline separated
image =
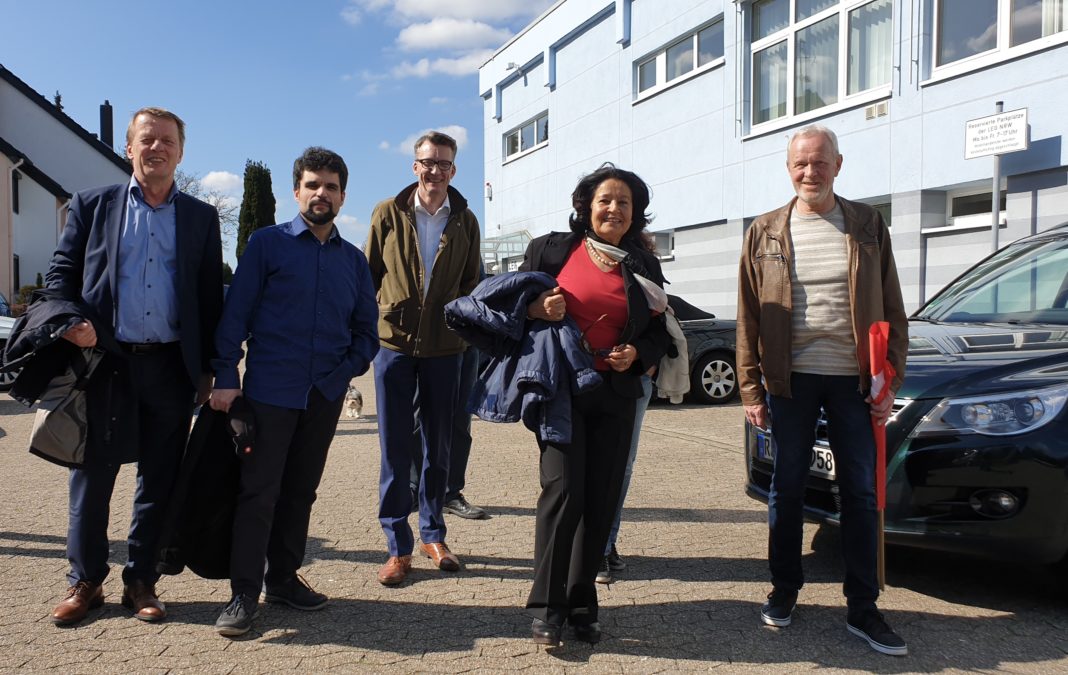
<point x="147" y="302"/>
<point x="430" y="226"/>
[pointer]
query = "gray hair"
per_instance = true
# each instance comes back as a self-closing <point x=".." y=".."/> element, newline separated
<point x="815" y="130"/>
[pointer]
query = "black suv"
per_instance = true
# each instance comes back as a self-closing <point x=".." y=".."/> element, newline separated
<point x="977" y="448"/>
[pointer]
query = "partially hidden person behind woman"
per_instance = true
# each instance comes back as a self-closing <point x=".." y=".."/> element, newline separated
<point x="601" y="266"/>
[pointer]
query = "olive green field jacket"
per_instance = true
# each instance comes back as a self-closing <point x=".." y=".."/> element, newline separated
<point x="408" y="321"/>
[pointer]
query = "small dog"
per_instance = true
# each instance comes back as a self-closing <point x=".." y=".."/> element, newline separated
<point x="353" y="402"/>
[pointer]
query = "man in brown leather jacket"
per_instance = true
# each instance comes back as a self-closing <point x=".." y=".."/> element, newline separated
<point x="813" y="277"/>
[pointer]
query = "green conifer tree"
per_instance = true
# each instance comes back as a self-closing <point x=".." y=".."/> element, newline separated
<point x="257" y="204"/>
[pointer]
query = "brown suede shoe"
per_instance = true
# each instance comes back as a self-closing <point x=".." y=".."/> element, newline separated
<point x="395" y="570"/>
<point x="441" y="555"/>
<point x="141" y="598"/>
<point x="81" y="597"/>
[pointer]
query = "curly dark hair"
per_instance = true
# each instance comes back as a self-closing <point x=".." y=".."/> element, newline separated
<point x="582" y="200"/>
<point x="317" y="158"/>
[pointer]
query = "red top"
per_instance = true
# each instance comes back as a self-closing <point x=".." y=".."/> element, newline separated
<point x="589" y="293"/>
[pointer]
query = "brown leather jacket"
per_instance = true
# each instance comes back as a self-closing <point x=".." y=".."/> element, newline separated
<point x="765" y="302"/>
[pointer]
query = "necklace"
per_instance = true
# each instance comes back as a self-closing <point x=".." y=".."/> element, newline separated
<point x="608" y="262"/>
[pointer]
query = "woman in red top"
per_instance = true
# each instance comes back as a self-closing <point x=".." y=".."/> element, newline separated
<point x="597" y="265"/>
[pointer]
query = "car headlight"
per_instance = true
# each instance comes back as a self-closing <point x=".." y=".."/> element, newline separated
<point x="1002" y="414"/>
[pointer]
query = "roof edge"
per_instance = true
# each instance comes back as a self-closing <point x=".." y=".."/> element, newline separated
<point x="64" y="119"/>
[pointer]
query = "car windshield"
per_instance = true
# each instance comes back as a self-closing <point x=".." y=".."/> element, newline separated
<point x="1025" y="282"/>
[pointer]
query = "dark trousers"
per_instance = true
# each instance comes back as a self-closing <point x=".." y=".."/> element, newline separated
<point x="580" y="487"/>
<point x="397" y="377"/>
<point x="164" y="409"/>
<point x="793" y="424"/>
<point x="460" y="449"/>
<point x="278" y="483"/>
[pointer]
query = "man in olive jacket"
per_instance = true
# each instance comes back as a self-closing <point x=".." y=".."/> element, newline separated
<point x="423" y="250"/>
<point x="813" y="277"/>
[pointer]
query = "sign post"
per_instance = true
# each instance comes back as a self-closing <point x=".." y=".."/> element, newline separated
<point x="996" y="135"/>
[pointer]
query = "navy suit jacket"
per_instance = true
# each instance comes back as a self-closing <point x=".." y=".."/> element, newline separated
<point x="84" y="267"/>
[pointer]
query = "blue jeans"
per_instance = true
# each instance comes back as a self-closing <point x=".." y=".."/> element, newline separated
<point x="849" y="431"/>
<point x="397" y="377"/>
<point x="639" y="414"/>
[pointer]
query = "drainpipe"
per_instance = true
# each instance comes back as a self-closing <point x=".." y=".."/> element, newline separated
<point x="10" y="217"/>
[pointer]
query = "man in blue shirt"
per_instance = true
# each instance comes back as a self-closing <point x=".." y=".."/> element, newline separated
<point x="144" y="263"/>
<point x="303" y="299"/>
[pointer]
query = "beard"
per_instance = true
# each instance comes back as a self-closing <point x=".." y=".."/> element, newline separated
<point x="320" y="217"/>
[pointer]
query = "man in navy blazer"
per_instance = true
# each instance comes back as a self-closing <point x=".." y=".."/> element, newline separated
<point x="145" y="261"/>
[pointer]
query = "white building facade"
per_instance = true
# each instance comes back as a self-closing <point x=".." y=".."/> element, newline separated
<point x="699" y="97"/>
<point x="45" y="157"/>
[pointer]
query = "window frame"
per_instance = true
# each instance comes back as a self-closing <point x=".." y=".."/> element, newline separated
<point x="534" y="124"/>
<point x="659" y="58"/>
<point x="666" y="254"/>
<point x="788" y="36"/>
<point x="1003" y="49"/>
<point x="974" y="221"/>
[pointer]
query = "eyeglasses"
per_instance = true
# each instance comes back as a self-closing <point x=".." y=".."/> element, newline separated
<point x="443" y="165"/>
<point x="586" y="343"/>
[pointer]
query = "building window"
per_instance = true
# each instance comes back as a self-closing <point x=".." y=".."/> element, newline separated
<point x="528" y="136"/>
<point x="810" y="54"/>
<point x="971" y="208"/>
<point x="15" y="177"/>
<point x="691" y="54"/>
<point x="665" y="245"/>
<point x="969" y="28"/>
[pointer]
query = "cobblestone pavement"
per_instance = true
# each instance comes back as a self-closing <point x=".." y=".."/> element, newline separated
<point x="688" y="601"/>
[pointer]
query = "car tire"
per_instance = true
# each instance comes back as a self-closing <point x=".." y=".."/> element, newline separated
<point x="714" y="379"/>
<point x="7" y="379"/>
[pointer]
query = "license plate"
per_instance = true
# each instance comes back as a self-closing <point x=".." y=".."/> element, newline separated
<point x="820" y="463"/>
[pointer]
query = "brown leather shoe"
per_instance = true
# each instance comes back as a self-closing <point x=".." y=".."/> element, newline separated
<point x="441" y="555"/>
<point x="141" y="598"/>
<point x="395" y="570"/>
<point x="81" y="597"/>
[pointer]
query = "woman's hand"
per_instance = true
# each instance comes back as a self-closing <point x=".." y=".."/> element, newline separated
<point x="549" y="306"/>
<point x="621" y="358"/>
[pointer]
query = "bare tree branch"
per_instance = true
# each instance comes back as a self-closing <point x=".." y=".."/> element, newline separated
<point x="227" y="206"/>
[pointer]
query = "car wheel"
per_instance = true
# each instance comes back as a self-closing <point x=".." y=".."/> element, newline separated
<point x="7" y="379"/>
<point x="713" y="378"/>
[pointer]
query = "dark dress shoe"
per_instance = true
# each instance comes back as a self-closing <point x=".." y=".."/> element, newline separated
<point x="545" y="633"/>
<point x="463" y="508"/>
<point x="395" y="570"/>
<point x="81" y="597"/>
<point x="141" y="598"/>
<point x="441" y="555"/>
<point x="588" y="633"/>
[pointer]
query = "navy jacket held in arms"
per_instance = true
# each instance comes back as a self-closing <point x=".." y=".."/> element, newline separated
<point x="535" y="365"/>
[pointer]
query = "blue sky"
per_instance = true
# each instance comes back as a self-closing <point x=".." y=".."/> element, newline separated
<point x="263" y="80"/>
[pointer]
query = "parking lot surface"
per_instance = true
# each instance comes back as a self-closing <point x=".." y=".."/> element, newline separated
<point x="688" y="601"/>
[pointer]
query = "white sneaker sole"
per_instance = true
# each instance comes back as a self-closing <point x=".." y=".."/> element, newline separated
<point x="778" y="623"/>
<point x="876" y="645"/>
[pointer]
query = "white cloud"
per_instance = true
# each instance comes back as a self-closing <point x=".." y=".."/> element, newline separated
<point x="222" y="181"/>
<point x="351" y="15"/>
<point x="406" y="146"/>
<point x="369" y="89"/>
<point x="438" y="100"/>
<point x="384" y="145"/>
<point x="466" y="64"/>
<point x="352" y="229"/>
<point x="449" y="34"/>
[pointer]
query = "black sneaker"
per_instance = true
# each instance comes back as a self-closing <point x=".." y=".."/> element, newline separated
<point x="237" y="618"/>
<point x="297" y="594"/>
<point x="777" y="610"/>
<point x="615" y="561"/>
<point x="870" y="625"/>
<point x="463" y="508"/>
<point x="604" y="575"/>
